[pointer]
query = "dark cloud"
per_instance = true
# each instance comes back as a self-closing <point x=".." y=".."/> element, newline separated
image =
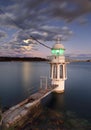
<point x="72" y="9"/>
<point x="34" y="13"/>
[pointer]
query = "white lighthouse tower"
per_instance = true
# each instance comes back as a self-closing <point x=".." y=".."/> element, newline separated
<point x="58" y="67"/>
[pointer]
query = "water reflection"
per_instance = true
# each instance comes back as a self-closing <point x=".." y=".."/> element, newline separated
<point x="26" y="73"/>
<point x="28" y="78"/>
<point x="57" y="101"/>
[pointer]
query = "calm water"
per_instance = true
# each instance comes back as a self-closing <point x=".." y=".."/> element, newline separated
<point x="77" y="95"/>
<point x="20" y="79"/>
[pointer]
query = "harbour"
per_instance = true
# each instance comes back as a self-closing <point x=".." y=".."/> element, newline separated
<point x="32" y="107"/>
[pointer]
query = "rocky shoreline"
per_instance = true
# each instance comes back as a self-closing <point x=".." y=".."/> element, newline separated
<point x="51" y="120"/>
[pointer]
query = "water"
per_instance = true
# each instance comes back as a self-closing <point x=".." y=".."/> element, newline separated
<point x="78" y="89"/>
<point x="20" y="79"/>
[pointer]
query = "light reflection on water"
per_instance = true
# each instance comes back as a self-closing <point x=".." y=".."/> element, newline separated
<point x="26" y="71"/>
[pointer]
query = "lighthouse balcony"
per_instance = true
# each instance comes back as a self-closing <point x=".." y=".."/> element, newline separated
<point x="56" y="59"/>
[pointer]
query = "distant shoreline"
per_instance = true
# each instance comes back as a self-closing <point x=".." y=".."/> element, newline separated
<point x="79" y="61"/>
<point x="34" y="59"/>
<point x="4" y="59"/>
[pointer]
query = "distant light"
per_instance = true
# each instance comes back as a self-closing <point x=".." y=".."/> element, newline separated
<point x="26" y="41"/>
<point x="57" y="51"/>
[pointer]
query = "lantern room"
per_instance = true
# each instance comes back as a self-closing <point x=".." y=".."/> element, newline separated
<point x="58" y="49"/>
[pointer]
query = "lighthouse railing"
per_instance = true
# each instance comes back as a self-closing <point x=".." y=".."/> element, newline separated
<point x="58" y="59"/>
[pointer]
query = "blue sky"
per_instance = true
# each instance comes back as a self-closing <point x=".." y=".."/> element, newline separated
<point x="45" y="20"/>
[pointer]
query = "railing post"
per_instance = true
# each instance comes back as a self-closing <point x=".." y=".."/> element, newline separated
<point x="40" y="82"/>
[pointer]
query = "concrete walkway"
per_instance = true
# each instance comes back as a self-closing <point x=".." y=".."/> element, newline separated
<point x="17" y="112"/>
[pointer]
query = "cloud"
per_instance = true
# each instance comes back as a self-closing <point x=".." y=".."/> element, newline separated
<point x="44" y="34"/>
<point x="38" y="15"/>
<point x="2" y="34"/>
<point x="35" y="13"/>
<point x="80" y="54"/>
<point x="48" y="33"/>
<point x="38" y="18"/>
<point x="82" y="21"/>
<point x="73" y="9"/>
<point x="17" y="43"/>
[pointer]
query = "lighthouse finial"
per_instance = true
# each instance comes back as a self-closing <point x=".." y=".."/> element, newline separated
<point x="58" y="40"/>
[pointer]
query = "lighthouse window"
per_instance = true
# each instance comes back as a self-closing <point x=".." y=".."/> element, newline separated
<point x="55" y="71"/>
<point x="50" y="71"/>
<point x="61" y="71"/>
<point x="65" y="72"/>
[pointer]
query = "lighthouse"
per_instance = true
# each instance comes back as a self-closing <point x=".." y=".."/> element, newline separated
<point x="58" y="73"/>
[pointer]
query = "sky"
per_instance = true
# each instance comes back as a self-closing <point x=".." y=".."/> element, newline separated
<point x="45" y="20"/>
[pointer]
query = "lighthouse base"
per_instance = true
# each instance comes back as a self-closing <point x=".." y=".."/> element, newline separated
<point x="60" y="86"/>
